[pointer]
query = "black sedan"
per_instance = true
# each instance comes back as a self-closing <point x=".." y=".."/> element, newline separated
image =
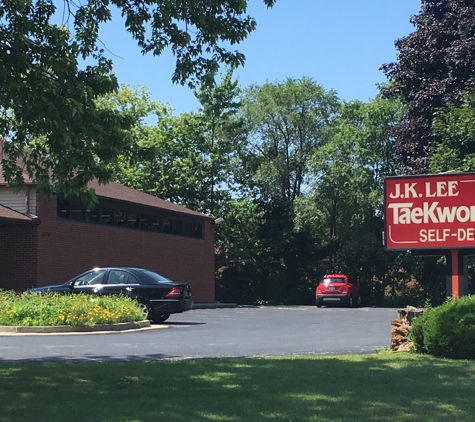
<point x="156" y="295"/>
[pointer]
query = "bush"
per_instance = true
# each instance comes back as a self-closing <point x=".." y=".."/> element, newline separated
<point x="51" y="309"/>
<point x="447" y="330"/>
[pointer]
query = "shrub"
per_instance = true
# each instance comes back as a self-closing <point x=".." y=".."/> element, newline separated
<point x="51" y="309"/>
<point x="447" y="330"/>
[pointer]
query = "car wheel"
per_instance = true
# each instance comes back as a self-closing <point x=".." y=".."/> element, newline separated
<point x="161" y="318"/>
<point x="319" y="305"/>
<point x="358" y="301"/>
<point x="350" y="301"/>
<point x="146" y="311"/>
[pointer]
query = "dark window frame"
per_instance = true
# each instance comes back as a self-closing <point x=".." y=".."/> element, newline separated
<point x="155" y="221"/>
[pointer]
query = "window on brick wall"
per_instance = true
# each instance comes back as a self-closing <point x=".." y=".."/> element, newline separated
<point x="145" y="221"/>
<point x="133" y="220"/>
<point x="198" y="230"/>
<point x="78" y="212"/>
<point x="70" y="208"/>
<point x="63" y="208"/>
<point x="187" y="229"/>
<point x="167" y="225"/>
<point x="156" y="223"/>
<point x="107" y="215"/>
<point x="120" y="218"/>
<point x="94" y="214"/>
<point x="122" y="215"/>
<point x="178" y="227"/>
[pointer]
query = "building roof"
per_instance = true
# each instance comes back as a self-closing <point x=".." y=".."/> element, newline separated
<point x="118" y="192"/>
<point x="122" y="193"/>
<point x="7" y="215"/>
<point x="26" y="178"/>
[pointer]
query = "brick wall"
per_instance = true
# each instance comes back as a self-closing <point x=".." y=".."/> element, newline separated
<point x="18" y="259"/>
<point x="67" y="248"/>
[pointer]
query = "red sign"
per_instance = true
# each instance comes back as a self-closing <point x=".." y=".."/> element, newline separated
<point x="431" y="211"/>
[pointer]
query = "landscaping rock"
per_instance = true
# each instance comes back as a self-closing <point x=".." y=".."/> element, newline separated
<point x="400" y="328"/>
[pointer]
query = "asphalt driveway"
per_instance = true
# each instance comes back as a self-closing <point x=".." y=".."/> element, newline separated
<point x="217" y="333"/>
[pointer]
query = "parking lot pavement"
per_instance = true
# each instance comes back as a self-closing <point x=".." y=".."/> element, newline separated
<point x="218" y="333"/>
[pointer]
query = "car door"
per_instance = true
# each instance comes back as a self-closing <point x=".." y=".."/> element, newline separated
<point x="118" y="282"/>
<point x="89" y="281"/>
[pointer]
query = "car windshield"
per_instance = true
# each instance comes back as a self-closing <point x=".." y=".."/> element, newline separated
<point x="333" y="280"/>
<point x="157" y="278"/>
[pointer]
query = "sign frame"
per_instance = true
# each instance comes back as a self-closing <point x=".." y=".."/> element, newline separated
<point x="431" y="211"/>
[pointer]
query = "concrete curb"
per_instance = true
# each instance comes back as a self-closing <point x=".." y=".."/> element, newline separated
<point x="122" y="326"/>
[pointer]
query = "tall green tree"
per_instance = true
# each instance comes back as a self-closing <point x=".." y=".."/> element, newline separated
<point x="188" y="158"/>
<point x="223" y="132"/>
<point x="49" y="115"/>
<point x="285" y="122"/>
<point x="434" y="65"/>
<point x="344" y="205"/>
<point x="241" y="276"/>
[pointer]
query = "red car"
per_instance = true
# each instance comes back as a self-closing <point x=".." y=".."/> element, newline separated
<point x="336" y="289"/>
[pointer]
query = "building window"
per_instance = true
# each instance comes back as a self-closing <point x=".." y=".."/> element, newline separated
<point x="167" y="225"/>
<point x="178" y="227"/>
<point x="93" y="215"/>
<point x="156" y="223"/>
<point x="198" y="230"/>
<point x="78" y="211"/>
<point x="63" y="208"/>
<point x="109" y="213"/>
<point x="187" y="229"/>
<point x="145" y="222"/>
<point x="133" y="220"/>
<point x="120" y="217"/>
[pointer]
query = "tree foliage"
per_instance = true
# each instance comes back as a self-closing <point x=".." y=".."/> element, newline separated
<point x="188" y="158"/>
<point x="223" y="133"/>
<point x="287" y="121"/>
<point x="434" y="65"/>
<point x="343" y="207"/>
<point x="455" y="127"/>
<point x="51" y="77"/>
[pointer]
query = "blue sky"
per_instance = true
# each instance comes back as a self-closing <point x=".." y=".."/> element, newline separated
<point x="339" y="43"/>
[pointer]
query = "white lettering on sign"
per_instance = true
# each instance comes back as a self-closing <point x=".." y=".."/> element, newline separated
<point x="442" y="189"/>
<point x="431" y="213"/>
<point x="434" y="235"/>
<point x="466" y="234"/>
<point x="441" y="235"/>
<point x="439" y="189"/>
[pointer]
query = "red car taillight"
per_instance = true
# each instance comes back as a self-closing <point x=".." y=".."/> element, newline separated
<point x="174" y="292"/>
<point x="319" y="290"/>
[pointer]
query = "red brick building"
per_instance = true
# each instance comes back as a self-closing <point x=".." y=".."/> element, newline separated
<point x="48" y="241"/>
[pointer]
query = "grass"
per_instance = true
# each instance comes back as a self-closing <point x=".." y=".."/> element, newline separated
<point x="51" y="309"/>
<point x="379" y="387"/>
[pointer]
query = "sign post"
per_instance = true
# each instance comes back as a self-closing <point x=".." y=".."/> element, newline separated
<point x="454" y="253"/>
<point x="431" y="212"/>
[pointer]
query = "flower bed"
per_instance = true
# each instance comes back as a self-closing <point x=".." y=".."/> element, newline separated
<point x="53" y="309"/>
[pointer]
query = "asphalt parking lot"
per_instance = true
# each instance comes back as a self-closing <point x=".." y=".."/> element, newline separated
<point x="217" y="333"/>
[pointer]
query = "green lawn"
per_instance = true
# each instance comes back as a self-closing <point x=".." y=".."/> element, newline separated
<point x="378" y="387"/>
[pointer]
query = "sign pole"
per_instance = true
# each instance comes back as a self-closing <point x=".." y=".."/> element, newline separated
<point x="455" y="273"/>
